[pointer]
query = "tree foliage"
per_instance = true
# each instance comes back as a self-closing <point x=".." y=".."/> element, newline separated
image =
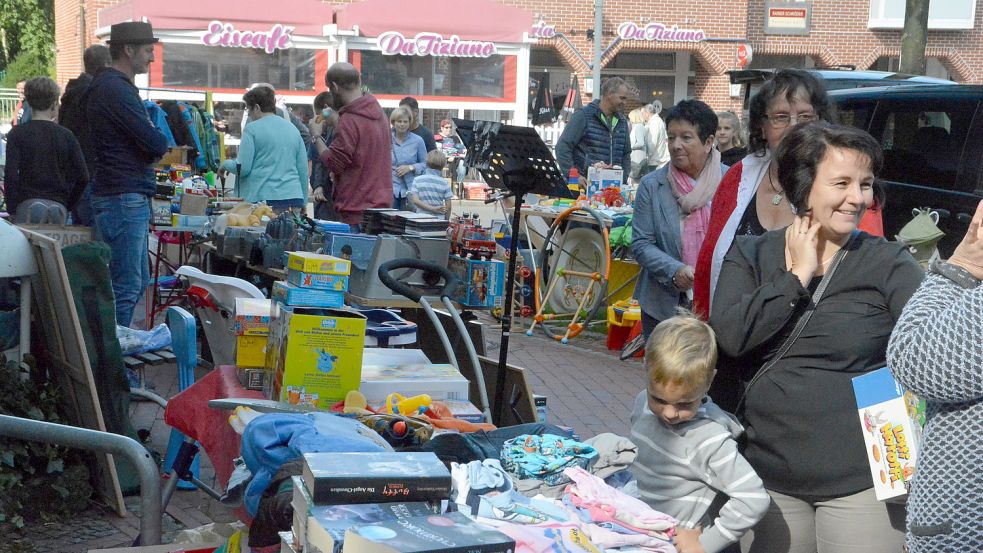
<point x="27" y="31"/>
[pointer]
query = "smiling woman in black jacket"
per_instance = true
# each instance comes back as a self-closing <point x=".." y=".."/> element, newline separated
<point x="803" y="436"/>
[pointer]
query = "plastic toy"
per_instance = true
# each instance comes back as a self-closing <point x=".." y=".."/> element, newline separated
<point x="469" y="239"/>
<point x="399" y="405"/>
<point x="579" y="283"/>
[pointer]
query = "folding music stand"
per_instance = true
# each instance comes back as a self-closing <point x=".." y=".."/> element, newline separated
<point x="517" y="161"/>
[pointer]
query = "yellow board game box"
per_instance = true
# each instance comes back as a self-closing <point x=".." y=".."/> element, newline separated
<point x="315" y="354"/>
<point x="320" y="264"/>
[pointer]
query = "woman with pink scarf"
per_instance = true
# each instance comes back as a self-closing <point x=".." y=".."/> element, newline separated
<point x="672" y="211"/>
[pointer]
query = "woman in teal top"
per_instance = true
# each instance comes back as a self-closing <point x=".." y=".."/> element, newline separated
<point x="409" y="157"/>
<point x="272" y="157"/>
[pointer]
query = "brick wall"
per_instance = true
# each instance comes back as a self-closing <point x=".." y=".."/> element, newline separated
<point x="69" y="39"/>
<point x="839" y="36"/>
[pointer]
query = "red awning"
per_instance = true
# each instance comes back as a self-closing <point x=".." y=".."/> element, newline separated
<point x="485" y="20"/>
<point x="308" y="17"/>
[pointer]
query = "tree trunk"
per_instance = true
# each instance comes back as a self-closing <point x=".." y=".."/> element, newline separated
<point x="914" y="37"/>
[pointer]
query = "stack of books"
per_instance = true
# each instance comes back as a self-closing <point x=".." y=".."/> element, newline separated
<point x="361" y="502"/>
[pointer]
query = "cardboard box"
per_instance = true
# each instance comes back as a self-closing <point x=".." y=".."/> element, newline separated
<point x="441" y="381"/>
<point x="338" y="283"/>
<point x="315" y="354"/>
<point x="252" y="378"/>
<point x="599" y="179"/>
<point x="288" y="294"/>
<point x="178" y="155"/>
<point x="160" y="211"/>
<point x="179" y="220"/>
<point x="252" y="317"/>
<point x="482" y="282"/>
<point x="193" y="204"/>
<point x="541" y="412"/>
<point x="464" y="410"/>
<point x="891" y="419"/>
<point x="318" y="263"/>
<point x="251" y="351"/>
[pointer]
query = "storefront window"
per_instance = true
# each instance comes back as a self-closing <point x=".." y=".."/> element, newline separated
<point x="199" y="66"/>
<point x="432" y="76"/>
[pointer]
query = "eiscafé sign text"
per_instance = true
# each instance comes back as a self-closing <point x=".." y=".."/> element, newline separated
<point x="630" y="30"/>
<point x="224" y="34"/>
<point x="393" y="43"/>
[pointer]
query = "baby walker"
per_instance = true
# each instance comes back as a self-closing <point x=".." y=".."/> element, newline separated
<point x="576" y="290"/>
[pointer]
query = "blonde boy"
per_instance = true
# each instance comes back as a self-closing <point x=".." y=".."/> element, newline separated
<point x="430" y="191"/>
<point x="687" y="448"/>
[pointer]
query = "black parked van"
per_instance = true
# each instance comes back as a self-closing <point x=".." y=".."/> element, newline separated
<point x="932" y="136"/>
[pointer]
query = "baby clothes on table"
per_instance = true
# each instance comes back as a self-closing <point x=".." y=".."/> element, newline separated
<point x="606" y="504"/>
<point x="614" y="454"/>
<point x="472" y="480"/>
<point x="605" y="538"/>
<point x="515" y="507"/>
<point x="545" y="457"/>
<point x="547" y="538"/>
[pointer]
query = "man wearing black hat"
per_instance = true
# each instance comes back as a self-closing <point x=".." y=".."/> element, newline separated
<point x="125" y="144"/>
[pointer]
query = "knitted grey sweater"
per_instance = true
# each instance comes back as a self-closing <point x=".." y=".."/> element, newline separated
<point x="936" y="351"/>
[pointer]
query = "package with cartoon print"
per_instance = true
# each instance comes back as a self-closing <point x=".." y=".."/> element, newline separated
<point x="315" y="354"/>
<point x="891" y="419"/>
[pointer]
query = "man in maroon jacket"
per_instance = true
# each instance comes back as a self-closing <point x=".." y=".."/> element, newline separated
<point x="360" y="156"/>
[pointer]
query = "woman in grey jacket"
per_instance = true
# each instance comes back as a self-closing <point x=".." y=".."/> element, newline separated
<point x="936" y="351"/>
<point x="672" y="209"/>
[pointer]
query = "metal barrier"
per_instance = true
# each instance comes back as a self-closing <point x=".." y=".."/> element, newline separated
<point x="105" y="442"/>
<point x="8" y="103"/>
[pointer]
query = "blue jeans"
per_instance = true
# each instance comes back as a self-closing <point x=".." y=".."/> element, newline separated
<point x="123" y="222"/>
<point x="279" y="206"/>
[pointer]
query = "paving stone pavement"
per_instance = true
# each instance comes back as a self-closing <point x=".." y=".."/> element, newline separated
<point x="587" y="387"/>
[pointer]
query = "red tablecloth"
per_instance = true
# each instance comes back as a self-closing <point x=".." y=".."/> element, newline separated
<point x="189" y="413"/>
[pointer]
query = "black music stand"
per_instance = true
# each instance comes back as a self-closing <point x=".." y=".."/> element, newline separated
<point x="517" y="161"/>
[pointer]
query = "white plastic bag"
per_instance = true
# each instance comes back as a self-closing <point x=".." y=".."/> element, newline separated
<point x="133" y="341"/>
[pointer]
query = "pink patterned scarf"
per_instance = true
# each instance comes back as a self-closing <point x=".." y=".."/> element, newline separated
<point x="694" y="203"/>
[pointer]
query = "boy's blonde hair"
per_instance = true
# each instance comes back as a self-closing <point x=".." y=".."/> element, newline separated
<point x="436" y="159"/>
<point x="682" y="350"/>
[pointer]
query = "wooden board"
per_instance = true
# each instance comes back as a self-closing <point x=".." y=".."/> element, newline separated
<point x="65" y="345"/>
<point x="520" y="405"/>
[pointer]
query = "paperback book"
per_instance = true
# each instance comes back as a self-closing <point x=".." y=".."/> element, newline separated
<point x="447" y="533"/>
<point x="337" y="478"/>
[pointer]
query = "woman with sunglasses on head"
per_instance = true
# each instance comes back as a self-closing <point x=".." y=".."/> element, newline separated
<point x="801" y="311"/>
<point x="453" y="148"/>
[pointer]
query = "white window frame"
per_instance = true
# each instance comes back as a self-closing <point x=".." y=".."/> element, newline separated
<point x="877" y="19"/>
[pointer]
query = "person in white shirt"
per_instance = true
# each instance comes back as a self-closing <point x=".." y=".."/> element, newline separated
<point x="658" y="143"/>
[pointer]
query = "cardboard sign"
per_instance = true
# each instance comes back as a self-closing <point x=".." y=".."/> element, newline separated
<point x="66" y="235"/>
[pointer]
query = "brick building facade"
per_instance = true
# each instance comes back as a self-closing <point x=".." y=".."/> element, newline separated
<point x="838" y="35"/>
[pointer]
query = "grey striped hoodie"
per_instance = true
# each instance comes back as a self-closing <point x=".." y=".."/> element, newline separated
<point x="681" y="468"/>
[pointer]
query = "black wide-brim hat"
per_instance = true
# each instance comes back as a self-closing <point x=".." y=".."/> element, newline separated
<point x="132" y="32"/>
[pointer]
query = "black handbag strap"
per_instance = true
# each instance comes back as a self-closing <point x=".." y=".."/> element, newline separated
<point x="801" y="323"/>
